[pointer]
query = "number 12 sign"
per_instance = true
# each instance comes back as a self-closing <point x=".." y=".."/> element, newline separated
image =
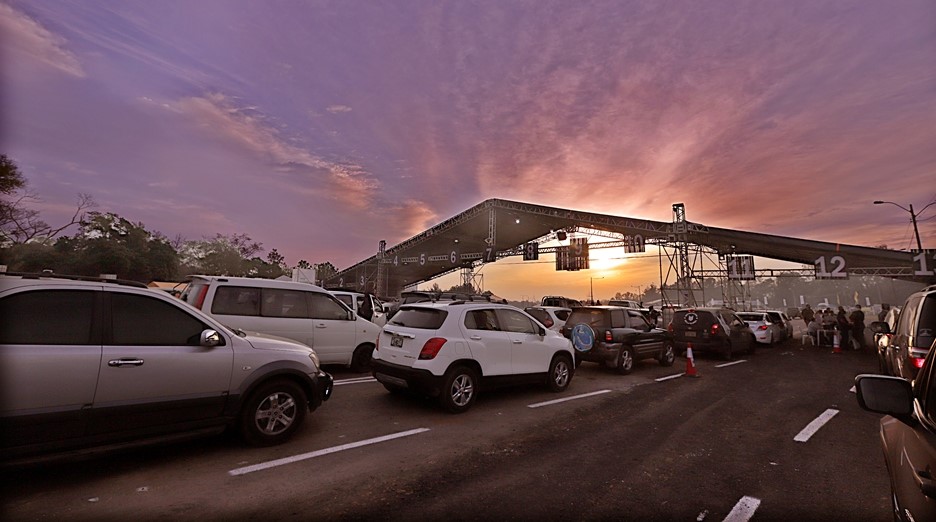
<point x="836" y="263"/>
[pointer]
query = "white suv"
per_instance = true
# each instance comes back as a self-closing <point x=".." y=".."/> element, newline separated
<point x="302" y="312"/>
<point x="93" y="362"/>
<point x="451" y="350"/>
<point x="362" y="304"/>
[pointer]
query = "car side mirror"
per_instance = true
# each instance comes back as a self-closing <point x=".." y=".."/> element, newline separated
<point x="880" y="327"/>
<point x="885" y="394"/>
<point x="210" y="338"/>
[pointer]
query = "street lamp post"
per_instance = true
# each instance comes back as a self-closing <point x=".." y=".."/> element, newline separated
<point x="913" y="216"/>
<point x="591" y="289"/>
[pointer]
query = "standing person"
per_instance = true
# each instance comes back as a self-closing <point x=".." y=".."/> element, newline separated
<point x="857" y="319"/>
<point x="844" y="327"/>
<point x="654" y="315"/>
<point x="882" y="316"/>
<point x="808" y="314"/>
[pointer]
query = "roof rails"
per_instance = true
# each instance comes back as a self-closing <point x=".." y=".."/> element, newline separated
<point x="49" y="273"/>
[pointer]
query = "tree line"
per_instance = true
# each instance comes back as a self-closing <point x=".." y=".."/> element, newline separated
<point x="107" y="243"/>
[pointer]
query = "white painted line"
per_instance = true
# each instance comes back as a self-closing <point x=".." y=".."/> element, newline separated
<point x="676" y="376"/>
<point x="305" y="456"/>
<point x="731" y="363"/>
<point x="814" y="426"/>
<point x="557" y="401"/>
<point x="743" y="510"/>
<point x="358" y="380"/>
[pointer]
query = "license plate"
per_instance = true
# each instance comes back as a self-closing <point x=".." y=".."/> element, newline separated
<point x="690" y="334"/>
<point x="397" y="341"/>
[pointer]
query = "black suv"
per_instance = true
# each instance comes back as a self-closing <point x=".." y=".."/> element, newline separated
<point x="912" y="336"/>
<point x="718" y="330"/>
<point x="616" y="337"/>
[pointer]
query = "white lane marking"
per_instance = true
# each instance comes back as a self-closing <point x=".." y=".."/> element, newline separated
<point x="358" y="380"/>
<point x="814" y="426"/>
<point x="334" y="449"/>
<point x="557" y="401"/>
<point x="731" y="363"/>
<point x="743" y="510"/>
<point x="676" y="376"/>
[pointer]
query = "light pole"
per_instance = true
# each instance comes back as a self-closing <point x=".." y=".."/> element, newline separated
<point x="591" y="289"/>
<point x="913" y="216"/>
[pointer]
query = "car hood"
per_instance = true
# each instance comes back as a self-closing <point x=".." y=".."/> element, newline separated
<point x="262" y="341"/>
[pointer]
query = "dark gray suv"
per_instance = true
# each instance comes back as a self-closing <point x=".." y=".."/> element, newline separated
<point x="715" y="330"/>
<point x="913" y="335"/>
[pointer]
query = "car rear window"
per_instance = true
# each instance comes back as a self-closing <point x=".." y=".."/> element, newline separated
<point x="423" y="318"/>
<point x="926" y="326"/>
<point x="751" y="317"/>
<point x="704" y="318"/>
<point x="562" y="315"/>
<point x="589" y="316"/>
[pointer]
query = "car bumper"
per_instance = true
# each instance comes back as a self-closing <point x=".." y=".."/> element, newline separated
<point x="600" y="352"/>
<point x="405" y="377"/>
<point x="762" y="337"/>
<point x="323" y="384"/>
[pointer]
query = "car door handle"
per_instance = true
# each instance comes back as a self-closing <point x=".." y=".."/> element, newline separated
<point x="517" y="342"/>
<point x="924" y="480"/>
<point x="475" y="337"/>
<point x="125" y="362"/>
<point x="321" y="325"/>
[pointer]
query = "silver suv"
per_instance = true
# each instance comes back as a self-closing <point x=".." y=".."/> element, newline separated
<point x="89" y="362"/>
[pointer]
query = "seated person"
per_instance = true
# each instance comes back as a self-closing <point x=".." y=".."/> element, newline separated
<point x="813" y="330"/>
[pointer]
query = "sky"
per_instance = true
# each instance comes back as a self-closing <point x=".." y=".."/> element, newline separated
<point x="320" y="128"/>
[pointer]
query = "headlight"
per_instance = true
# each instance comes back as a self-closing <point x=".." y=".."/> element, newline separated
<point x="315" y="359"/>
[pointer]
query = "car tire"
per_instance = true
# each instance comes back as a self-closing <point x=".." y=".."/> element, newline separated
<point x="560" y="373"/>
<point x="361" y="359"/>
<point x="728" y="354"/>
<point x="752" y="344"/>
<point x="459" y="389"/>
<point x="625" y="360"/>
<point x="272" y="413"/>
<point x="668" y="357"/>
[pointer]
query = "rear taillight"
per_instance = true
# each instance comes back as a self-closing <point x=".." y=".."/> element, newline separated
<point x="917" y="361"/>
<point x="608" y="337"/>
<point x="763" y="327"/>
<point x="715" y="329"/>
<point x="200" y="299"/>
<point x="670" y="327"/>
<point x="431" y="348"/>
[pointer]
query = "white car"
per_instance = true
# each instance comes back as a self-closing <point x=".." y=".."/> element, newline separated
<point x="453" y="350"/>
<point x="302" y="312"/>
<point x="765" y="330"/>
<point x="552" y="317"/>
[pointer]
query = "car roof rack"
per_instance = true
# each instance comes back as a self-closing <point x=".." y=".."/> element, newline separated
<point x="93" y="279"/>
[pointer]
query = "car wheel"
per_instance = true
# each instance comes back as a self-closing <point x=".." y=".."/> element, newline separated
<point x="668" y="357"/>
<point x="728" y="355"/>
<point x="625" y="360"/>
<point x="272" y="413"/>
<point x="361" y="359"/>
<point x="560" y="373"/>
<point x="459" y="389"/>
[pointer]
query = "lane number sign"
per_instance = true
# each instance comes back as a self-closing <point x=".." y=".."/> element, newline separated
<point x="833" y="268"/>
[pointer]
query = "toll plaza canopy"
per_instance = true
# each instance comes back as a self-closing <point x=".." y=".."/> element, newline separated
<point x="499" y="228"/>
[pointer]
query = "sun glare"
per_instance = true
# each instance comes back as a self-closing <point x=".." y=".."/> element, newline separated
<point x="606" y="259"/>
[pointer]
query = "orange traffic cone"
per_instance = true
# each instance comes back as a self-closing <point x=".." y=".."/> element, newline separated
<point x="690" y="363"/>
<point x="836" y="343"/>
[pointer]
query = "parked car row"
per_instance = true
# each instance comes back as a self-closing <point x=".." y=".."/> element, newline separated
<point x="907" y="397"/>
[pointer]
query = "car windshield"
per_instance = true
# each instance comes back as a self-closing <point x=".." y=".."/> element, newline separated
<point x="423" y="318"/>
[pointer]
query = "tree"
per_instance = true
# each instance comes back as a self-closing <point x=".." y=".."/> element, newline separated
<point x="109" y="244"/>
<point x="18" y="222"/>
<point x="324" y="271"/>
